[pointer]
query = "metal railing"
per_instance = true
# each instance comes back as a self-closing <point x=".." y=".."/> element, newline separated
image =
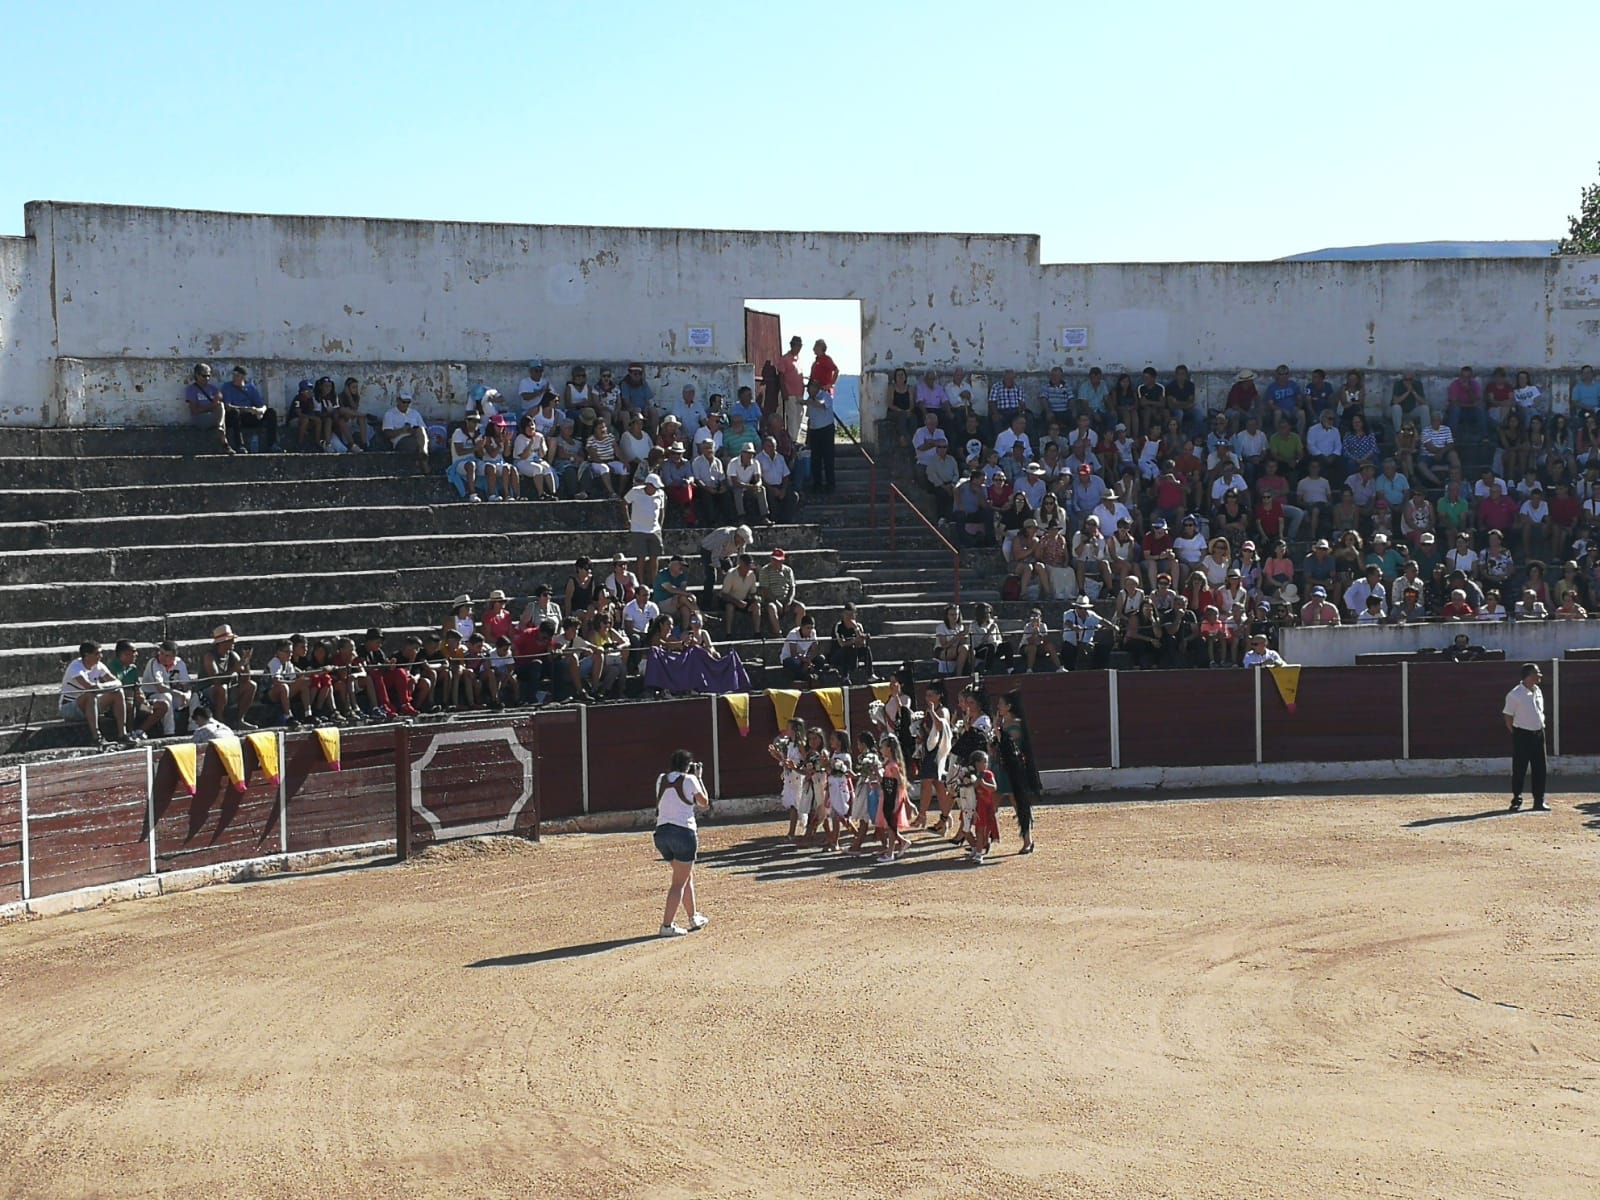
<point x="896" y="494"/>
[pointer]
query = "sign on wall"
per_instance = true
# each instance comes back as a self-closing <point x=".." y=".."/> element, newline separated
<point x="702" y="337"/>
<point x="1075" y="337"/>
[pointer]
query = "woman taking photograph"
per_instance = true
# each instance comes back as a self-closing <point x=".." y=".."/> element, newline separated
<point x="679" y="795"/>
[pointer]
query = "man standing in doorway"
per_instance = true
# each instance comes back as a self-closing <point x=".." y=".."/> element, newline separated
<point x="794" y="390"/>
<point x="819" y="437"/>
<point x="1524" y="713"/>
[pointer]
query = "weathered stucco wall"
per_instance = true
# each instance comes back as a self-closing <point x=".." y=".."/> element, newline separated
<point x="107" y="285"/>
<point x="25" y="332"/>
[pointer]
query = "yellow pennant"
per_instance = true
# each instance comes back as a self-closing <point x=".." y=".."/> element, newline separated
<point x="328" y="739"/>
<point x="265" y="744"/>
<point x="880" y="692"/>
<point x="739" y="708"/>
<point x="182" y="756"/>
<point x="1288" y="681"/>
<point x="783" y="705"/>
<point x="232" y="755"/>
<point x="833" y="704"/>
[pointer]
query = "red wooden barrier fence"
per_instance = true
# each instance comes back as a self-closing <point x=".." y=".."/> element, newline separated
<point x="87" y="821"/>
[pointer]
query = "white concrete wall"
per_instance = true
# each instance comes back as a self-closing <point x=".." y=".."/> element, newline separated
<point x="25" y="336"/>
<point x="1521" y="640"/>
<point x="104" y="284"/>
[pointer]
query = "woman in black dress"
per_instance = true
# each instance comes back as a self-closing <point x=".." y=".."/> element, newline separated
<point x="1016" y="758"/>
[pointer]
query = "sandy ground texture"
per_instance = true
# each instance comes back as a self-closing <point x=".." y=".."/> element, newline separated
<point x="1273" y="997"/>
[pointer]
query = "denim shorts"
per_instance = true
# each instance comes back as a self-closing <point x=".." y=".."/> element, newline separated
<point x="677" y="844"/>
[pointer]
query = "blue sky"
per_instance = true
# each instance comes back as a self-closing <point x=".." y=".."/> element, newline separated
<point x="1157" y="132"/>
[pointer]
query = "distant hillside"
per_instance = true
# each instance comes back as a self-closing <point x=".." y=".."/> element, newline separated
<point x="1401" y="250"/>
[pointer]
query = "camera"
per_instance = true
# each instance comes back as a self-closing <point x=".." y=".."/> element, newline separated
<point x="697" y="769"/>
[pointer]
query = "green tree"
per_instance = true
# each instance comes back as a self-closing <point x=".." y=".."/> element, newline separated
<point x="1583" y="230"/>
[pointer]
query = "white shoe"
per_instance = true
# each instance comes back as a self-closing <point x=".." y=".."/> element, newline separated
<point x="699" y="921"/>
<point x="883" y="860"/>
<point x="673" y="931"/>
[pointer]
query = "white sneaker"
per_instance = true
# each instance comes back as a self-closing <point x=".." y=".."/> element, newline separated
<point x="699" y="921"/>
<point x="673" y="931"/>
<point x="883" y="860"/>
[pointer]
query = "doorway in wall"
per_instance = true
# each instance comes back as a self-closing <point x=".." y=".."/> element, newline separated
<point x="769" y="324"/>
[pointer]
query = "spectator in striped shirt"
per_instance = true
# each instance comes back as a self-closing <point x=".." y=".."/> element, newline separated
<point x="1438" y="448"/>
<point x="1059" y="397"/>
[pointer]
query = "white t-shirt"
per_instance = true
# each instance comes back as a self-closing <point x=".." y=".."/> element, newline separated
<point x="797" y="645"/>
<point x="644" y="510"/>
<point x="282" y="669"/>
<point x="741" y="472"/>
<point x="637" y="617"/>
<point x="677" y="793"/>
<point x="79" y="680"/>
<point x="774" y="469"/>
<point x="213" y="730"/>
<point x="1008" y="438"/>
<point x="1267" y="658"/>
<point x="461" y="446"/>
<point x="394" y="420"/>
<point x="631" y="449"/>
<point x="1189" y="549"/>
<point x="923" y="443"/>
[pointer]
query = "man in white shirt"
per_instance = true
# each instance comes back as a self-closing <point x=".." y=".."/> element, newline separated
<point x="690" y="412"/>
<point x="802" y="651"/>
<point x="534" y="386"/>
<point x="1080" y="628"/>
<point x="1438" y="448"/>
<point x="638" y="615"/>
<point x="1031" y="484"/>
<point x="1250" y="445"/>
<point x="1325" y="442"/>
<point x="1485" y="482"/>
<point x="712" y="502"/>
<point x="89" y="688"/>
<point x="1355" y="596"/>
<point x="207" y="728"/>
<point x="404" y="429"/>
<point x="1018" y="432"/>
<point x="1524" y="714"/>
<point x="1259" y="656"/>
<point x="645" y="504"/>
<point x="1532" y="516"/>
<point x="927" y="439"/>
<point x="165" y="683"/>
<point x="963" y="393"/>
<point x="1462" y="557"/>
<point x="1229" y="480"/>
<point x="747" y="484"/>
<point x="1111" y="511"/>
<point x="775" y="474"/>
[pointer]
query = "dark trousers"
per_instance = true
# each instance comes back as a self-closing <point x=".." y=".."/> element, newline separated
<point x="1527" y="751"/>
<point x="821" y="443"/>
<point x="846" y="659"/>
<point x="1024" y="806"/>
<point x="239" y="419"/>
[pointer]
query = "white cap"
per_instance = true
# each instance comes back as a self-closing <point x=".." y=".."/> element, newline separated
<point x="652" y="480"/>
<point x="403" y="394"/>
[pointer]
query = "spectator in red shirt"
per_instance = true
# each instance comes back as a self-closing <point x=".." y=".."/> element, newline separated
<point x="1270" y="517"/>
<point x="1157" y="549"/>
<point x="1497" y="401"/>
<point x="1172" y="492"/>
<point x="1457" y="609"/>
<point x="1319" y="610"/>
<point x="1565" y="509"/>
<point x="530" y="649"/>
<point x="1243" y="399"/>
<point x="1464" y="399"/>
<point x="1497" y="510"/>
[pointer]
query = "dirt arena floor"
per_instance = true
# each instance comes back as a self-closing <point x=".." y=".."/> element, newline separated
<point x="1269" y="997"/>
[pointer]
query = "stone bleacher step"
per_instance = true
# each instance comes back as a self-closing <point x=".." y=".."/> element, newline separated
<point x="334" y="550"/>
<point x="124" y="470"/>
<point x="296" y="523"/>
<point x="57" y="504"/>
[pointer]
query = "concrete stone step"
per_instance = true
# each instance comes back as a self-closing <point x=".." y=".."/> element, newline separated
<point x="56" y="504"/>
<point x="157" y="563"/>
<point x="97" y="441"/>
<point x="325" y="586"/>
<point x="295" y="524"/>
<point x="126" y="470"/>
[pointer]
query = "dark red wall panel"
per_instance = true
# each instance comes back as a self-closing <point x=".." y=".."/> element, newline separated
<point x="1456" y="708"/>
<point x="10" y="834"/>
<point x="1069" y="716"/>
<point x="348" y="807"/>
<point x="1186" y="718"/>
<point x="630" y="744"/>
<point x="472" y="776"/>
<point x="1580" y="706"/>
<point x="86" y="822"/>
<point x="218" y="824"/>
<point x="559" y="763"/>
<point x="1342" y="714"/>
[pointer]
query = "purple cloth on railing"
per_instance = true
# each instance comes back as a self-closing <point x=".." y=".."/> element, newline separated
<point x="694" y="670"/>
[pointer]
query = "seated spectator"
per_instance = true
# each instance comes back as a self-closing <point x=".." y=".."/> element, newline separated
<point x="747" y="485"/>
<point x="803" y="656"/>
<point x="206" y="408"/>
<point x="1318" y="610"/>
<point x="531" y="650"/>
<point x="1464" y="400"/>
<point x="851" y="646"/>
<point x="404" y="430"/>
<point x="778" y="480"/>
<point x="953" y="651"/>
<point x="738" y="596"/>
<point x="1259" y="655"/>
<point x="713" y="500"/>
<point x="1084" y="636"/>
<point x="1492" y="609"/>
<point x="1325" y="443"/>
<point x="224" y="669"/>
<point x="243" y="408"/>
<point x="1143" y="634"/>
<point x="1458" y="608"/>
<point x="140" y="719"/>
<point x="165" y="684"/>
<point x="776" y="592"/>
<point x="672" y="585"/>
<point x="990" y="653"/>
<point x="90" y="689"/>
<point x="1530" y="607"/>
<point x="1411" y="608"/>
<point x="1218" y="635"/>
<point x="1569" y="609"/>
<point x="1035" y="644"/>
<point x="1406" y="401"/>
<point x="1374" y="613"/>
<point x="621" y="582"/>
<point x="288" y="684"/>
<point x="637" y="395"/>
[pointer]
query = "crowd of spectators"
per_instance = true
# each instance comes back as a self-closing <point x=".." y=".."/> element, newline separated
<point x="1294" y="501"/>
